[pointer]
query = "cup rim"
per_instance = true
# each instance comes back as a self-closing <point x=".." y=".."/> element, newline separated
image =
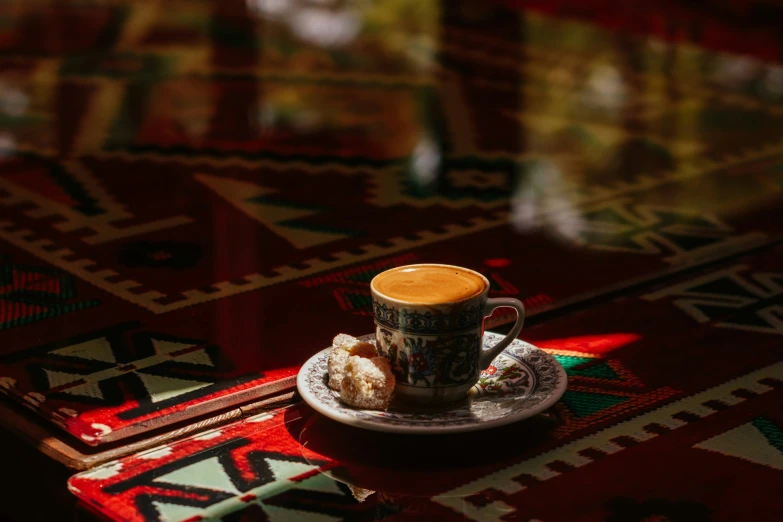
<point x="414" y="303"/>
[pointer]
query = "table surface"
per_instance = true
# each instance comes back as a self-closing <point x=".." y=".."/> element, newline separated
<point x="195" y="195"/>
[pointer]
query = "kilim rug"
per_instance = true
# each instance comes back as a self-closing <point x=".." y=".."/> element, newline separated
<point x="653" y="426"/>
<point x="194" y="199"/>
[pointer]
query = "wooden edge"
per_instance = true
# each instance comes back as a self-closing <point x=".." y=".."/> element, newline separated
<point x="271" y="403"/>
<point x="61" y="447"/>
<point x="206" y="408"/>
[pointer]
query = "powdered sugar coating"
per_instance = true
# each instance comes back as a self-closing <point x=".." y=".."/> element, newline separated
<point x="343" y="347"/>
<point x="368" y="383"/>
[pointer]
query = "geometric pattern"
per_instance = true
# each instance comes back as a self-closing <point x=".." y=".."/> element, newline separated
<point x="587" y="367"/>
<point x="367" y="155"/>
<point x="759" y="441"/>
<point x="259" y="157"/>
<point x="583" y="406"/>
<point x="584" y="451"/>
<point x="55" y="183"/>
<point x="598" y="371"/>
<point x="250" y="470"/>
<point x="351" y="288"/>
<point x="284" y="218"/>
<point x="29" y="294"/>
<point x="731" y="298"/>
<point x="214" y="479"/>
<point x="119" y="375"/>
<point x="624" y="226"/>
<point x="254" y="469"/>
<point x="598" y="387"/>
<point x="160" y="302"/>
<point x="74" y="194"/>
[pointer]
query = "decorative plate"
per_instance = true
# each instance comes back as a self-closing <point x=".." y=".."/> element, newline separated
<point x="521" y="382"/>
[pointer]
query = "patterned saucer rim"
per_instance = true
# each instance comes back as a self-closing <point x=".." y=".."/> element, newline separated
<point x="314" y="371"/>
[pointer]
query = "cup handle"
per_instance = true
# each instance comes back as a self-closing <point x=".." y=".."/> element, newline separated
<point x="487" y="356"/>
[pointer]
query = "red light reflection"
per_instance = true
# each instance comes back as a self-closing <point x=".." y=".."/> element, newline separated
<point x="498" y="262"/>
<point x="597" y="344"/>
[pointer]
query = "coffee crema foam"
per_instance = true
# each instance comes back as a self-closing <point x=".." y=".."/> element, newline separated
<point x="428" y="284"/>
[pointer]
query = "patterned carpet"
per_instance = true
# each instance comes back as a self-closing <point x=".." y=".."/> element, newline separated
<point x="176" y="204"/>
<point x="645" y="414"/>
<point x="194" y="197"/>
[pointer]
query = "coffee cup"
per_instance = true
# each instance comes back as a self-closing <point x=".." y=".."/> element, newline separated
<point x="429" y="323"/>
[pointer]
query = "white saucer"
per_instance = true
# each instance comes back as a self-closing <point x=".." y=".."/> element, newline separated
<point x="522" y="381"/>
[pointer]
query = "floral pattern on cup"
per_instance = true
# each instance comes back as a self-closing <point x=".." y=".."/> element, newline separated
<point x="428" y="361"/>
<point x="426" y="323"/>
<point x="504" y="375"/>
